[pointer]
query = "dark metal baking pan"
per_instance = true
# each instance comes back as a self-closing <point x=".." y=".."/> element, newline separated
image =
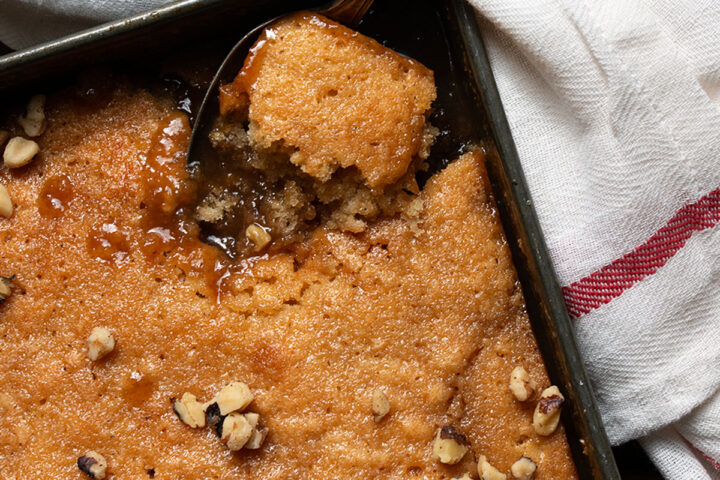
<point x="442" y="35"/>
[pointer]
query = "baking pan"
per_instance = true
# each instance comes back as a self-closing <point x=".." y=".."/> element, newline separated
<point x="442" y="35"/>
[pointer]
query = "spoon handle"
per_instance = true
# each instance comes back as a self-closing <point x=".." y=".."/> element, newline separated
<point x="348" y="12"/>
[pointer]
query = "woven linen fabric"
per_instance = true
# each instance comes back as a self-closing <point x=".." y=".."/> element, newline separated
<point x="615" y="109"/>
<point x="24" y="23"/>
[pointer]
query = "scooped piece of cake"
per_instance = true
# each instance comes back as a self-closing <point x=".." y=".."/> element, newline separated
<point x="334" y="98"/>
<point x="322" y="126"/>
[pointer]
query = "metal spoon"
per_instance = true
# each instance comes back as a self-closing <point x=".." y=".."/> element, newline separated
<point x="348" y="12"/>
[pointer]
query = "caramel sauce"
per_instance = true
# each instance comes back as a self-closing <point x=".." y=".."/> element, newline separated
<point x="55" y="196"/>
<point x="108" y="242"/>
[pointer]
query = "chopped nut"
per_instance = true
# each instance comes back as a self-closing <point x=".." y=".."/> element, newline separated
<point x="93" y="464"/>
<point x="6" y="285"/>
<point x="521" y="385"/>
<point x="258" y="235"/>
<point x="465" y="476"/>
<point x="6" y="206"/>
<point x="487" y="471"/>
<point x="19" y="151"/>
<point x="213" y="417"/>
<point x="523" y="469"/>
<point x="450" y="446"/>
<point x="259" y="431"/>
<point x="4" y="135"/>
<point x="100" y="343"/>
<point x="235" y="431"/>
<point x="189" y="410"/>
<point x="380" y="405"/>
<point x="33" y="121"/>
<point x="547" y="411"/>
<point x="233" y="398"/>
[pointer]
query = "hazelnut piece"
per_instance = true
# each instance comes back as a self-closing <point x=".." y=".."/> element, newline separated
<point x="93" y="465"/>
<point x="213" y="417"/>
<point x="521" y="385"/>
<point x="33" y="121"/>
<point x="487" y="471"/>
<point x="259" y="431"/>
<point x="450" y="446"/>
<point x="235" y="431"/>
<point x="100" y="343"/>
<point x="547" y="411"/>
<point x="189" y="410"/>
<point x="233" y="398"/>
<point x="258" y="235"/>
<point x="380" y="405"/>
<point x="523" y="469"/>
<point x="19" y="152"/>
<point x="6" y="206"/>
<point x="6" y="285"/>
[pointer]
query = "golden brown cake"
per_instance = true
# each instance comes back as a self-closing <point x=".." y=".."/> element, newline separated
<point x="335" y="98"/>
<point x="358" y="347"/>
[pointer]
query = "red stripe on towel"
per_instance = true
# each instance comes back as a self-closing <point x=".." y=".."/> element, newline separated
<point x="612" y="280"/>
<point x="715" y="464"/>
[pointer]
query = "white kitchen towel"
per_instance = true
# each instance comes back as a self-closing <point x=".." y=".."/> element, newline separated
<point x="24" y="23"/>
<point x="615" y="109"/>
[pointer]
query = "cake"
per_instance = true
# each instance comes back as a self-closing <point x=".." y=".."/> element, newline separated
<point x="399" y="348"/>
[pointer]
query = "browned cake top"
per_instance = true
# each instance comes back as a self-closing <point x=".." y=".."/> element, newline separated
<point x="434" y="319"/>
<point x="334" y="98"/>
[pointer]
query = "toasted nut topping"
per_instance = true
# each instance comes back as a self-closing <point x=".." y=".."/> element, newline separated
<point x="93" y="464"/>
<point x="6" y="206"/>
<point x="547" y="411"/>
<point x="235" y="431"/>
<point x="259" y="431"/>
<point x="380" y="405"/>
<point x="523" y="469"/>
<point x="258" y="235"/>
<point x="189" y="410"/>
<point x="450" y="446"/>
<point x="6" y="286"/>
<point x="213" y="417"/>
<point x="4" y="135"/>
<point x="19" y="152"/>
<point x="487" y="471"/>
<point x="465" y="476"/>
<point x="233" y="398"/>
<point x="33" y="122"/>
<point x="521" y="385"/>
<point x="100" y="343"/>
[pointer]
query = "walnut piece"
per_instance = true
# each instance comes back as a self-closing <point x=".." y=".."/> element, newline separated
<point x="33" y="121"/>
<point x="465" y="476"/>
<point x="258" y="235"/>
<point x="100" y="343"/>
<point x="189" y="410"/>
<point x="6" y="206"/>
<point x="234" y="397"/>
<point x="521" y="385"/>
<point x="6" y="286"/>
<point x="19" y="152"/>
<point x="235" y="431"/>
<point x="547" y="411"/>
<point x="523" y="469"/>
<point x="259" y="431"/>
<point x="450" y="446"/>
<point x="93" y="465"/>
<point x="487" y="471"/>
<point x="380" y="405"/>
